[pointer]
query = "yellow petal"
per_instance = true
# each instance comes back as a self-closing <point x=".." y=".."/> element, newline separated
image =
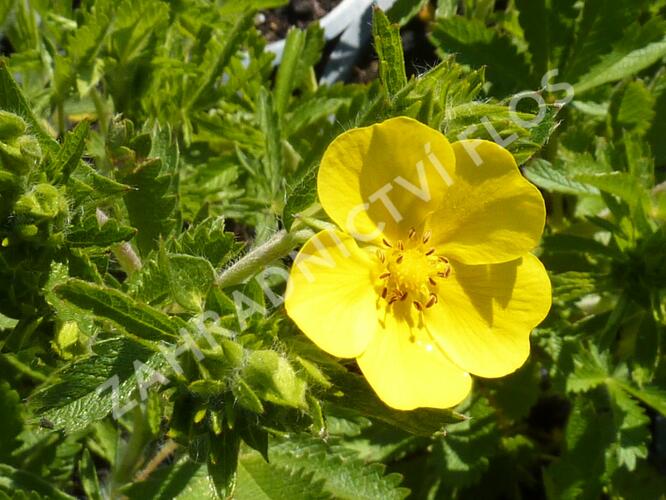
<point x="491" y="213"/>
<point x="485" y="314"/>
<point x="331" y="294"/>
<point x="384" y="178"/>
<point x="407" y="370"/>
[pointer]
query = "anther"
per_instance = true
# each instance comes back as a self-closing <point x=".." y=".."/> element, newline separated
<point x="430" y="252"/>
<point x="443" y="259"/>
<point x="384" y="292"/>
<point x="401" y="246"/>
<point x="381" y="256"/>
<point x="412" y="233"/>
<point x="432" y="300"/>
<point x="432" y="281"/>
<point x="399" y="259"/>
<point x="385" y="275"/>
<point x="442" y="274"/>
<point x="386" y="242"/>
<point x="403" y="296"/>
<point x="426" y="237"/>
<point x="418" y="305"/>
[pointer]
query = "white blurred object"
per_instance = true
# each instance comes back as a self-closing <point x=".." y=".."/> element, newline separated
<point x="352" y="19"/>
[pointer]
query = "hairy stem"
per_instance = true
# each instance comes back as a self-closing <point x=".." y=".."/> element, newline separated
<point x="275" y="248"/>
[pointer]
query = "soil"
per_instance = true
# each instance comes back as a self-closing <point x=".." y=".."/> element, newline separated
<point x="275" y="23"/>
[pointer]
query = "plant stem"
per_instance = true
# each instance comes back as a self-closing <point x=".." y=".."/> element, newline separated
<point x="165" y="452"/>
<point x="275" y="248"/>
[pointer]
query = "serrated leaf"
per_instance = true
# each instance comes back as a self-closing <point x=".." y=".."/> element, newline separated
<point x="74" y="398"/>
<point x="70" y="152"/>
<point x="138" y="320"/>
<point x="301" y="51"/>
<point x="190" y="278"/>
<point x="478" y="45"/>
<point x="91" y="233"/>
<point x="543" y="174"/>
<point x="261" y="480"/>
<point x="631" y="55"/>
<point x="345" y="476"/>
<point x="12" y="99"/>
<point x="591" y="369"/>
<point x="388" y="46"/>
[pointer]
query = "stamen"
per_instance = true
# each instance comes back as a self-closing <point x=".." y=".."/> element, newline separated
<point x="431" y="301"/>
<point x="418" y="305"/>
<point x="392" y="300"/>
<point x="385" y="275"/>
<point x="384" y="292"/>
<point x="401" y="246"/>
<point x="432" y="281"/>
<point x="443" y="259"/>
<point x="403" y="297"/>
<point x="399" y="259"/>
<point x="426" y="237"/>
<point x="442" y="274"/>
<point x="381" y="256"/>
<point x="412" y="233"/>
<point x="430" y="252"/>
<point x="385" y="241"/>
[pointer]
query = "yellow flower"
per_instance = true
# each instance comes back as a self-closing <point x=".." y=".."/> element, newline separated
<point x="430" y="279"/>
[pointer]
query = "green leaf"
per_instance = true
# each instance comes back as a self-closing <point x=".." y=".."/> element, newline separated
<point x="184" y="480"/>
<point x="16" y="481"/>
<point x="403" y="11"/>
<point x="388" y="45"/>
<point x="90" y="232"/>
<point x="543" y="174"/>
<point x="223" y="462"/>
<point x="636" y="109"/>
<point x="220" y="51"/>
<point x="261" y="480"/>
<point x="631" y="55"/>
<point x="301" y="196"/>
<point x="209" y="240"/>
<point x="81" y="392"/>
<point x="12" y="99"/>
<point x="140" y="321"/>
<point x="652" y="396"/>
<point x="87" y="185"/>
<point x="12" y="418"/>
<point x="535" y="18"/>
<point x="579" y="471"/>
<point x="478" y="45"/>
<point x="343" y="473"/>
<point x="190" y="279"/>
<point x="591" y="369"/>
<point x="70" y="153"/>
<point x="469" y="446"/>
<point x="302" y="50"/>
<point x="152" y="202"/>
<point x="89" y="479"/>
<point x="82" y="48"/>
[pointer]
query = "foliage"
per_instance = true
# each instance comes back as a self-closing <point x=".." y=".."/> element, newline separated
<point x="147" y="146"/>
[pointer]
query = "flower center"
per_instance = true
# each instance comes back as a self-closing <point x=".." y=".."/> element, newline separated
<point x="411" y="270"/>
